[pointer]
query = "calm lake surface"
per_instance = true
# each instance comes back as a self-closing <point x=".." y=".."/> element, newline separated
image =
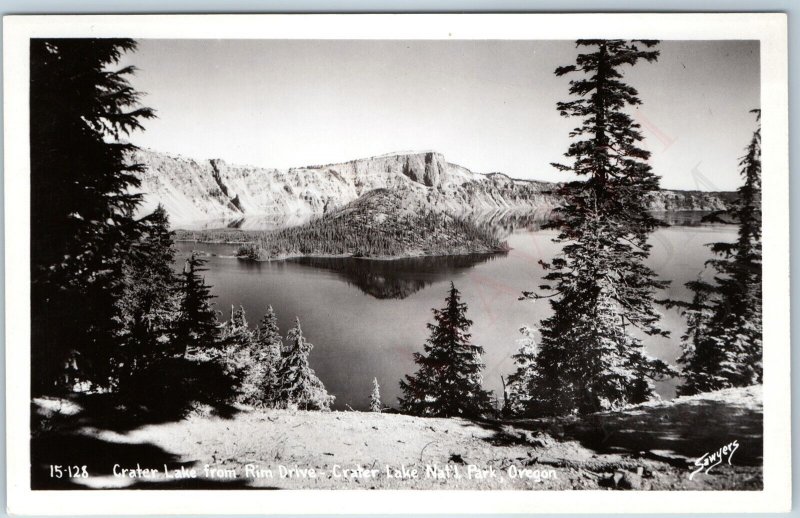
<point x="366" y="318"/>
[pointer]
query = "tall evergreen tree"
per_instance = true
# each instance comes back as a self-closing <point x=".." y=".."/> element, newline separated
<point x="728" y="353"/>
<point x="700" y="360"/>
<point x="298" y="385"/>
<point x="193" y="367"/>
<point x="591" y="353"/>
<point x="375" y="404"/>
<point x="266" y="357"/>
<point x="150" y="300"/>
<point x="237" y="343"/>
<point x="448" y="382"/>
<point x="237" y="321"/>
<point x="81" y="206"/>
<point x="197" y="329"/>
<point x="236" y="335"/>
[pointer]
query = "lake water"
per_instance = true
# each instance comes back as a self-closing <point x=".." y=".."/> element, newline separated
<point x="366" y="318"/>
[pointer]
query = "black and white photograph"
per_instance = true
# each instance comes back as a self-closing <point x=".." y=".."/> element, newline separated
<point x="503" y="262"/>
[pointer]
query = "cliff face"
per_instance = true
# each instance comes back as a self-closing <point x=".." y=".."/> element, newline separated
<point x="200" y="190"/>
<point x="691" y="200"/>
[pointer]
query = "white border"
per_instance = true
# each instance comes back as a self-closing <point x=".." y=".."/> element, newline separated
<point x="770" y="29"/>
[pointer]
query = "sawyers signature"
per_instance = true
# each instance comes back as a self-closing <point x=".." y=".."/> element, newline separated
<point x="711" y="459"/>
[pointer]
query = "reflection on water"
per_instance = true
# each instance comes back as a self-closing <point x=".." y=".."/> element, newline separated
<point x="397" y="278"/>
<point x="502" y="224"/>
<point x="685" y="218"/>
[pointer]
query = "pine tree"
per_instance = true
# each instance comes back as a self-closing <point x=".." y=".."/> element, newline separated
<point x="520" y="388"/>
<point x="729" y="351"/>
<point x="375" y="404"/>
<point x="700" y="360"/>
<point x="197" y="329"/>
<point x="298" y="385"/>
<point x="237" y="342"/>
<point x="266" y="357"/>
<point x="591" y="355"/>
<point x="237" y="321"/>
<point x="82" y="203"/>
<point x="252" y="356"/>
<point x="149" y="304"/>
<point x="236" y="334"/>
<point x="448" y="382"/>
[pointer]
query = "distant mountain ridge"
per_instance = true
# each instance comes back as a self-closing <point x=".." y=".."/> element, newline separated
<point x="198" y="190"/>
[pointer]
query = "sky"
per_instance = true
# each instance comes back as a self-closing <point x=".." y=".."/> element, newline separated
<point x="486" y="105"/>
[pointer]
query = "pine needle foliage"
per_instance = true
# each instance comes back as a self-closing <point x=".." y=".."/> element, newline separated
<point x="197" y="329"/>
<point x="375" y="404"/>
<point x="150" y="298"/>
<point x="298" y="385"/>
<point x="592" y="355"/>
<point x="263" y="356"/>
<point x="448" y="381"/>
<point x="520" y="387"/>
<point x="723" y="344"/>
<point x="82" y="226"/>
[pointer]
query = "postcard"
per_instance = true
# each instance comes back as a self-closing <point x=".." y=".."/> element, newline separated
<point x="397" y="263"/>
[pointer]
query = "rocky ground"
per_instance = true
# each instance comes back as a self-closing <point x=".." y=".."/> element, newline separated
<point x="652" y="446"/>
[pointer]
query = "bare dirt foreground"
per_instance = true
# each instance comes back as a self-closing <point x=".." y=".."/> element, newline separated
<point x="652" y="446"/>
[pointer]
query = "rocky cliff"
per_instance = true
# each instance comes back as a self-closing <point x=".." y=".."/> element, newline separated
<point x="201" y="190"/>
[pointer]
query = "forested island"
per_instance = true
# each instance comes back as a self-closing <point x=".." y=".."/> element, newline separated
<point x="382" y="224"/>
